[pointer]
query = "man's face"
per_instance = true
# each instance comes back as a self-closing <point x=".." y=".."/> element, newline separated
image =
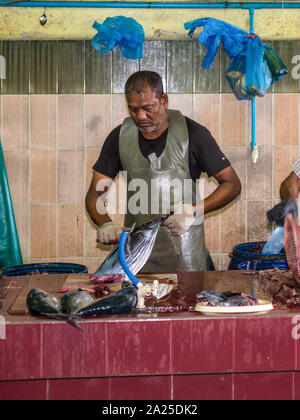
<point x="147" y="111"/>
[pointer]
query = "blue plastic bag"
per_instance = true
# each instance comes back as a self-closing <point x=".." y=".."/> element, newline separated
<point x="248" y="74"/>
<point x="215" y="31"/>
<point x="235" y="75"/>
<point x="119" y="30"/>
<point x="258" y="77"/>
<point x="255" y="66"/>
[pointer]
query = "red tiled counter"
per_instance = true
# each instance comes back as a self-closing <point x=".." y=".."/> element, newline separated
<point x="160" y="356"/>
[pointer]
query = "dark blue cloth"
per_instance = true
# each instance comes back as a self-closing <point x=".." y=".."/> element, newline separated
<point x="277" y="213"/>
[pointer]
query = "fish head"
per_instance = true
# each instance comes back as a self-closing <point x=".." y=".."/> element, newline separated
<point x="39" y="301"/>
<point x="75" y="299"/>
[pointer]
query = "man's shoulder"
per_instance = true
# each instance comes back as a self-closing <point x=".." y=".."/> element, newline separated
<point x="116" y="131"/>
<point x="196" y="130"/>
<point x="113" y="136"/>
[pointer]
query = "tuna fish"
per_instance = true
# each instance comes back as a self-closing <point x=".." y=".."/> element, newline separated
<point x="120" y="302"/>
<point x="138" y="248"/>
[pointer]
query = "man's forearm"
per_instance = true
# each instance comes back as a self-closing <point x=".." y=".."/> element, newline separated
<point x="223" y="195"/>
<point x="91" y="207"/>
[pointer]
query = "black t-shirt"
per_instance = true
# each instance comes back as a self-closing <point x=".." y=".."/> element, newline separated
<point x="204" y="153"/>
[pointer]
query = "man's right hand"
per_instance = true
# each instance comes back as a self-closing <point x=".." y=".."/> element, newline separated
<point x="277" y="214"/>
<point x="110" y="233"/>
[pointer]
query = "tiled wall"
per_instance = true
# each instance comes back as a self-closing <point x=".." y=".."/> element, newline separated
<point x="59" y="101"/>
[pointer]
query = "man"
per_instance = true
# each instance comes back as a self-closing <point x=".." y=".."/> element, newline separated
<point x="289" y="190"/>
<point x="158" y="146"/>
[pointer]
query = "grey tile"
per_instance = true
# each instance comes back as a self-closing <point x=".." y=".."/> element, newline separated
<point x="206" y="80"/>
<point x="70" y="67"/>
<point x="286" y="51"/>
<point x="43" y="67"/>
<point x="98" y="71"/>
<point x="154" y="58"/>
<point x="180" y="67"/>
<point x="224" y="63"/>
<point x="122" y="68"/>
<point x="16" y="54"/>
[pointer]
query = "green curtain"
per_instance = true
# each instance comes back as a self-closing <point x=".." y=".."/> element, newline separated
<point x="10" y="252"/>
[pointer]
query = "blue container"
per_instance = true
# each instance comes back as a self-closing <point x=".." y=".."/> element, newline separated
<point x="247" y="257"/>
<point x="43" y="268"/>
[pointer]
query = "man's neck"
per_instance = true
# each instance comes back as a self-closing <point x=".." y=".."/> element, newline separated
<point x="154" y="138"/>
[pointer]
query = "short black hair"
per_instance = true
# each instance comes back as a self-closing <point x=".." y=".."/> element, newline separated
<point x="138" y="81"/>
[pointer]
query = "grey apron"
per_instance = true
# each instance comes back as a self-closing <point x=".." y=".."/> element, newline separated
<point x="151" y="187"/>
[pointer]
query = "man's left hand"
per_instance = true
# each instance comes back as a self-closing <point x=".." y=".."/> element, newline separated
<point x="181" y="220"/>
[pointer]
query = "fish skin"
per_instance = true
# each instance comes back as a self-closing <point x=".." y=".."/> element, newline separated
<point x="213" y="297"/>
<point x="120" y="302"/>
<point x="75" y="300"/>
<point x="138" y="248"/>
<point x="39" y="302"/>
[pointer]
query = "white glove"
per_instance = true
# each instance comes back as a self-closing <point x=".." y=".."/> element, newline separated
<point x="181" y="220"/>
<point x="110" y="233"/>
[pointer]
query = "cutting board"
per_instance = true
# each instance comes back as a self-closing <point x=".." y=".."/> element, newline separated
<point x="52" y="284"/>
<point x="83" y="281"/>
<point x="74" y="280"/>
<point x="49" y="283"/>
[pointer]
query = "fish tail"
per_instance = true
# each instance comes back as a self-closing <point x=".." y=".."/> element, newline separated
<point x="70" y="319"/>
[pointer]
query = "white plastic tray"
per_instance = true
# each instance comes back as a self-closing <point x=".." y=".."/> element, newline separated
<point x="262" y="306"/>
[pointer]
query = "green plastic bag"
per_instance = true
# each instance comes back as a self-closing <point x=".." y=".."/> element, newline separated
<point x="10" y="252"/>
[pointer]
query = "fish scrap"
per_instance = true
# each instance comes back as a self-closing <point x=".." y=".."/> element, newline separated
<point x="279" y="286"/>
<point x="226" y="299"/>
<point x="107" y="278"/>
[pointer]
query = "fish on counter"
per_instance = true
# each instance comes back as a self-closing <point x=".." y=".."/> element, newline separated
<point x="283" y="286"/>
<point x="78" y="304"/>
<point x="138" y="248"/>
<point x="226" y="299"/>
<point x="101" y="290"/>
<point x="279" y="286"/>
<point x="40" y="302"/>
<point x="75" y="300"/>
<point x="107" y="278"/>
<point x="120" y="302"/>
